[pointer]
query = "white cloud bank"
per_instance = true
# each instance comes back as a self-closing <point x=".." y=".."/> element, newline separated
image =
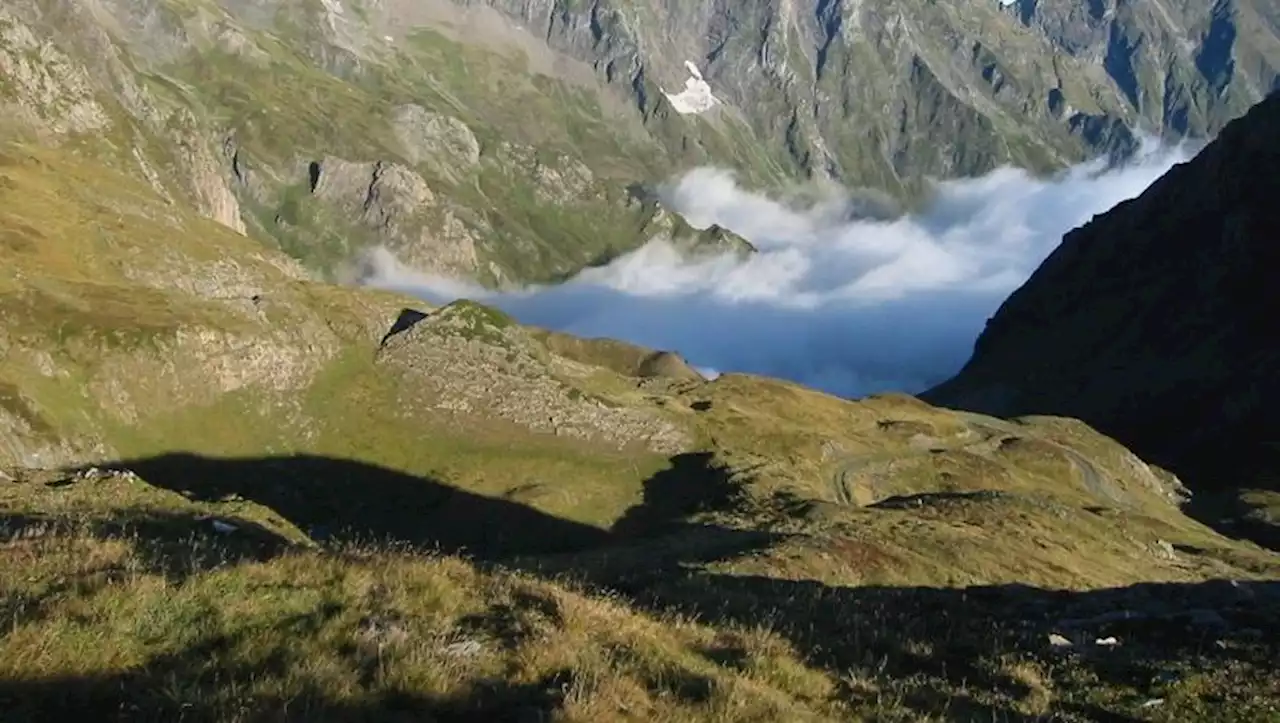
<point x="852" y="306"/>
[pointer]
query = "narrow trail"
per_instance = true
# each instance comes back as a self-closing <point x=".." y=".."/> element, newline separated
<point x="853" y="479"/>
<point x="848" y="488"/>
<point x="1092" y="478"/>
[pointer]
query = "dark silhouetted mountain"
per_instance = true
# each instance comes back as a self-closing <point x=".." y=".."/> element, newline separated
<point x="1155" y="321"/>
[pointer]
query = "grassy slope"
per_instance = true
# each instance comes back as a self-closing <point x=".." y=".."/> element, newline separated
<point x="121" y="597"/>
<point x="273" y="106"/>
<point x="285" y="95"/>
<point x="341" y="459"/>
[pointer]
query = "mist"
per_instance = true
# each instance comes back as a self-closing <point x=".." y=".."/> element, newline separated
<point x="837" y="298"/>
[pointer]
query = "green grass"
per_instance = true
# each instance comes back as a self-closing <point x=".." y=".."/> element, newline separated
<point x="118" y="594"/>
<point x="331" y="636"/>
<point x="376" y="525"/>
<point x="280" y="121"/>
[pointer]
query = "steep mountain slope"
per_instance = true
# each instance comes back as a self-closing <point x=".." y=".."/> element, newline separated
<point x="520" y="141"/>
<point x="1151" y="321"/>
<point x="884" y="93"/>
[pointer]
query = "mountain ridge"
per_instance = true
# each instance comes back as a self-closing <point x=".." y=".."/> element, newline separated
<point x="1148" y="322"/>
<point x="226" y="105"/>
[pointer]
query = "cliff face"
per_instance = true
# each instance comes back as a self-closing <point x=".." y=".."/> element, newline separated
<point x="511" y="130"/>
<point x="865" y="91"/>
<point x="1153" y="321"/>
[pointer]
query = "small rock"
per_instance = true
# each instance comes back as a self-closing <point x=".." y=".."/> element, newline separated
<point x="463" y="649"/>
<point x="1059" y="641"/>
<point x="383" y="630"/>
<point x="1242" y="593"/>
<point x="1165" y="550"/>
<point x="1153" y="703"/>
<point x="1107" y="642"/>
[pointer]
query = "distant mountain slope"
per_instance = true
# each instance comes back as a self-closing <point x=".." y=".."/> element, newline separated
<point x="513" y="141"/>
<point x="1154" y="321"/>
<point x="886" y="93"/>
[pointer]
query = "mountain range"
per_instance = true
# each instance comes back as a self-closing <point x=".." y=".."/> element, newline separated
<point x="510" y="142"/>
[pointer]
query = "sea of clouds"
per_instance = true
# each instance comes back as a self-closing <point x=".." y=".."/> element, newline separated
<point x="834" y="299"/>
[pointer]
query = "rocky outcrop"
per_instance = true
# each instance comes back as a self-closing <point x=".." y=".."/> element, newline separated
<point x="865" y="91"/>
<point x="43" y="86"/>
<point x="399" y="207"/>
<point x="713" y="240"/>
<point x="1153" y="321"/>
<point x="204" y="172"/>
<point x="468" y="360"/>
<point x="59" y="95"/>
<point x="383" y="193"/>
<point x="441" y="141"/>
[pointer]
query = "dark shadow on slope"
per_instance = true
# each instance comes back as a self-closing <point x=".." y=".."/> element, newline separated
<point x="334" y="500"/>
<point x="950" y="654"/>
<point x="930" y="651"/>
<point x="1218" y="473"/>
<point x="199" y="684"/>
<point x="662" y="536"/>
<point x="407" y="319"/>
<point x="175" y="545"/>
<point x="694" y="483"/>
<point x="953" y="651"/>
<point x="923" y="499"/>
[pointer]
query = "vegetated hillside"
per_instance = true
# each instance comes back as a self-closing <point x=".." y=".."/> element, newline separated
<point x="514" y="142"/>
<point x="1153" y="323"/>
<point x="231" y="492"/>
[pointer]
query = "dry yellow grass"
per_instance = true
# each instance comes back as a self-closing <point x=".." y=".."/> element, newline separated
<point x="308" y="635"/>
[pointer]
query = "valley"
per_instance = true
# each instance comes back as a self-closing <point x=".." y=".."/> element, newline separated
<point x="237" y="485"/>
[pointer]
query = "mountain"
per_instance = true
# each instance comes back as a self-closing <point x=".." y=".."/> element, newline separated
<point x="1150" y="323"/>
<point x="231" y="489"/>
<point x="305" y="501"/>
<point x="519" y="141"/>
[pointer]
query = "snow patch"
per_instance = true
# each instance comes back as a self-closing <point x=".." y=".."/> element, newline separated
<point x="696" y="96"/>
